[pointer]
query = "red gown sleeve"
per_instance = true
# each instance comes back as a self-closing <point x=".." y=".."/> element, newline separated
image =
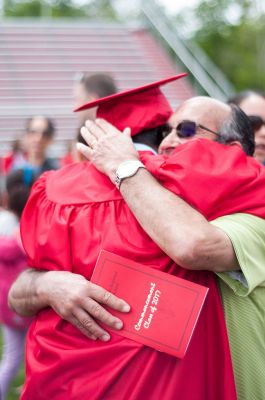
<point x="44" y="230"/>
<point x="214" y="179"/>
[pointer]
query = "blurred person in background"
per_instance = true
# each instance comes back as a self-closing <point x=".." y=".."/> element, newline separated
<point x="253" y="104"/>
<point x="40" y="132"/>
<point x="30" y="151"/>
<point x="15" y="159"/>
<point x="12" y="262"/>
<point x="73" y="155"/>
<point x="87" y="87"/>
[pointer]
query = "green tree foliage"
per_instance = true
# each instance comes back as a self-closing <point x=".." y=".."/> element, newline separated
<point x="23" y="9"/>
<point x="65" y="9"/>
<point x="59" y="9"/>
<point x="101" y="9"/>
<point x="232" y="34"/>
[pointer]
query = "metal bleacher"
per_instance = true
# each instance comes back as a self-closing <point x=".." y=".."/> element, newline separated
<point x="39" y="60"/>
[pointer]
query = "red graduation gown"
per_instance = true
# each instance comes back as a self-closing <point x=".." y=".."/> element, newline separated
<point x="72" y="214"/>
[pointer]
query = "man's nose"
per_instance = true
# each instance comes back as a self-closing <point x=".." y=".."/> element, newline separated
<point x="170" y="142"/>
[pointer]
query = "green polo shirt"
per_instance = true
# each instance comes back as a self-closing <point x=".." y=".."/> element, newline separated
<point x="243" y="296"/>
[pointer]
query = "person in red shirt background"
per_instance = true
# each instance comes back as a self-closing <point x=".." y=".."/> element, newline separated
<point x="12" y="263"/>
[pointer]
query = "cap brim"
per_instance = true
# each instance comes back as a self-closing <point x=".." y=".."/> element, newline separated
<point x="115" y="96"/>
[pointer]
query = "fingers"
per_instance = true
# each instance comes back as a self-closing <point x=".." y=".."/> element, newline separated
<point x="89" y="311"/>
<point x="94" y="131"/>
<point x="104" y="297"/>
<point x="97" y="129"/>
<point x="89" y="138"/>
<point x="85" y="150"/>
<point x="94" y="128"/>
<point x="84" y="320"/>
<point x="88" y="326"/>
<point x="74" y="321"/>
<point x="127" y="132"/>
<point x="106" y="127"/>
<point x="98" y="312"/>
<point x="81" y="303"/>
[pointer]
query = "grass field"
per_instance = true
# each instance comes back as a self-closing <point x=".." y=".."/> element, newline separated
<point x="18" y="381"/>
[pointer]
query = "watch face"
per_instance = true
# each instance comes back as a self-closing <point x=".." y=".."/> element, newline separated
<point x="128" y="169"/>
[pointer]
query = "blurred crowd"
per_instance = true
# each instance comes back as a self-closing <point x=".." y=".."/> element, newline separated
<point x="30" y="151"/>
<point x="19" y="169"/>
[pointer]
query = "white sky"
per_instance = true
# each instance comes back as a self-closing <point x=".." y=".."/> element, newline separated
<point x="172" y="6"/>
<point x="176" y="5"/>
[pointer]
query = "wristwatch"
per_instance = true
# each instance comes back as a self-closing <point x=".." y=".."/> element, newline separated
<point x="127" y="169"/>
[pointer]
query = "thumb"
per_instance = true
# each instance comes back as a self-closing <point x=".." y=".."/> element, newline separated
<point x="127" y="132"/>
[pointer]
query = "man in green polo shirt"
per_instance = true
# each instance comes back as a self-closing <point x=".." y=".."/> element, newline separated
<point x="243" y="295"/>
<point x="240" y="249"/>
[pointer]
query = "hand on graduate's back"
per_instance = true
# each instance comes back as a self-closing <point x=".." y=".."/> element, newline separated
<point x="75" y="299"/>
<point x="107" y="147"/>
<point x="80" y="302"/>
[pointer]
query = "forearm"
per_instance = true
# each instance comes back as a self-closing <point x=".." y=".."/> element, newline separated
<point x="178" y="229"/>
<point x="26" y="296"/>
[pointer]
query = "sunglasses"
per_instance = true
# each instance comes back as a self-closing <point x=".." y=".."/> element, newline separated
<point x="256" y="122"/>
<point x="186" y="129"/>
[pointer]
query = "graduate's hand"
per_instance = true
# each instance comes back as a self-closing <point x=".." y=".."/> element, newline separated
<point x="107" y="146"/>
<point x="81" y="302"/>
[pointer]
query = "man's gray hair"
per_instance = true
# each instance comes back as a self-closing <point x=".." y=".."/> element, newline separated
<point x="237" y="127"/>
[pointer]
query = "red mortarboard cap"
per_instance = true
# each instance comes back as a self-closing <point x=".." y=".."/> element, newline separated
<point x="141" y="108"/>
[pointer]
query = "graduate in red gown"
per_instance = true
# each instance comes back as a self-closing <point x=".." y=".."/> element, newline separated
<point x="75" y="212"/>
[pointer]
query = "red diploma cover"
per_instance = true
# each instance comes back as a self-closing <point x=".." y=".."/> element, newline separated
<point x="164" y="308"/>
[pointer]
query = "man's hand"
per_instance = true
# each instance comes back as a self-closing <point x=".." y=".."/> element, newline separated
<point x="71" y="296"/>
<point x="79" y="301"/>
<point x="107" y="146"/>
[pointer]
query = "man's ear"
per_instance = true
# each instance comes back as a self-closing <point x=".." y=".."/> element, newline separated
<point x="235" y="142"/>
